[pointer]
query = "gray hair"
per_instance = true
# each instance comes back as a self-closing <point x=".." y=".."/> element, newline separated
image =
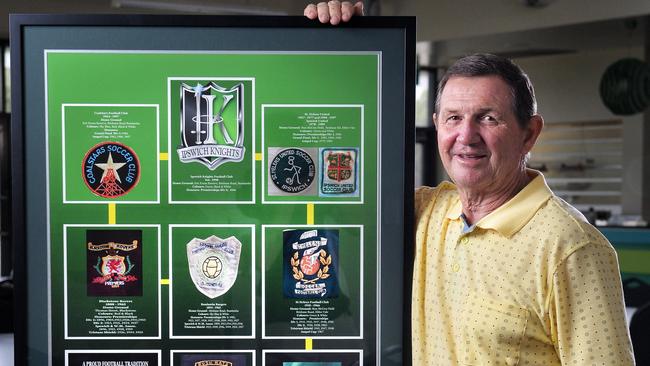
<point x="485" y="64"/>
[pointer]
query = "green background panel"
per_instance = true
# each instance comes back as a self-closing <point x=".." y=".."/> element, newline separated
<point x="279" y="79"/>
<point x="346" y="117"/>
<point x="186" y="296"/>
<point x="142" y="78"/>
<point x="81" y="306"/>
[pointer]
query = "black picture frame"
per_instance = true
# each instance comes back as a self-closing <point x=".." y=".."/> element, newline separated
<point x="397" y="103"/>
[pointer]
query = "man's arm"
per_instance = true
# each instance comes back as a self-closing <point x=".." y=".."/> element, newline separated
<point x="587" y="313"/>
<point x="334" y="11"/>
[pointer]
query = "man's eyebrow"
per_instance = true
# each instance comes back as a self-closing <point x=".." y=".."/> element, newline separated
<point x="488" y="110"/>
<point x="479" y="111"/>
<point x="449" y="110"/>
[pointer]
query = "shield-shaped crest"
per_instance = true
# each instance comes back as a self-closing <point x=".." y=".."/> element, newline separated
<point x="114" y="262"/>
<point x="213" y="264"/>
<point x="212" y="124"/>
<point x="339" y="173"/>
<point x="339" y="166"/>
<point x="113" y="265"/>
<point x="311" y="263"/>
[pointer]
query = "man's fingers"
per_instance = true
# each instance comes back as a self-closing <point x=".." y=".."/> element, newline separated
<point x="346" y="11"/>
<point x="311" y="12"/>
<point x="323" y="12"/>
<point x="358" y="8"/>
<point x="335" y="11"/>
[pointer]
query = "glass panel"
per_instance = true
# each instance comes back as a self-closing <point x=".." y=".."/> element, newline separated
<point x="222" y="197"/>
<point x="419" y="165"/>
<point x="7" y="81"/>
<point x="422" y="117"/>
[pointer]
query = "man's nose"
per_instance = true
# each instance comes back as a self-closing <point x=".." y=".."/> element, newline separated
<point x="468" y="132"/>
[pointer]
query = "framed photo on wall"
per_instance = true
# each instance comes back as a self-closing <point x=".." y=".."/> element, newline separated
<point x="208" y="190"/>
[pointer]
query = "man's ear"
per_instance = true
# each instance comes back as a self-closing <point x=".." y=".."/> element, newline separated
<point x="535" y="126"/>
<point x="435" y="120"/>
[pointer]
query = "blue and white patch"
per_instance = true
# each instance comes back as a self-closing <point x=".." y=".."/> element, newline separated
<point x="311" y="263"/>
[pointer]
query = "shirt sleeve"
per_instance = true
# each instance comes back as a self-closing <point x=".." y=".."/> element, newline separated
<point x="587" y="311"/>
<point x="423" y="197"/>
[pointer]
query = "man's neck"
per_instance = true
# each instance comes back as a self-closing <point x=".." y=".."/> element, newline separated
<point x="477" y="205"/>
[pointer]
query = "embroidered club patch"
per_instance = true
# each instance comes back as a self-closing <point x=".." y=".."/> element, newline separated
<point x="213" y="360"/>
<point x="291" y="171"/>
<point x="311" y="260"/>
<point x="213" y="264"/>
<point x="339" y="172"/>
<point x="111" y="169"/>
<point x="114" y="262"/>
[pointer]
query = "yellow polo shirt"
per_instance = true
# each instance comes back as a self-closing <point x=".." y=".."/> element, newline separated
<point x="531" y="284"/>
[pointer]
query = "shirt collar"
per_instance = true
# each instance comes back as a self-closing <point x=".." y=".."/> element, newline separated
<point x="514" y="214"/>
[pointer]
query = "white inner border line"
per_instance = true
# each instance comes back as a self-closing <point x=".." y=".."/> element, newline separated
<point x="207" y="52"/>
<point x="379" y="283"/>
<point x="245" y="52"/>
<point x="47" y="213"/>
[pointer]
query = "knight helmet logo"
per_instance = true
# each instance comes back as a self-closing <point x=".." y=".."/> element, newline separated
<point x="212" y="124"/>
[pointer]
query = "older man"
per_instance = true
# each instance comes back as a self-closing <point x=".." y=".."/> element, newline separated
<point x="506" y="273"/>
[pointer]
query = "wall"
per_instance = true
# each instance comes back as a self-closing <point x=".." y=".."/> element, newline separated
<point x="567" y="88"/>
<point x="445" y="19"/>
<point x="226" y="7"/>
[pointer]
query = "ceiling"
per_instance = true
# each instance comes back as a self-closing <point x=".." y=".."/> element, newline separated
<point x="628" y="31"/>
<point x="221" y="7"/>
<point x="613" y="33"/>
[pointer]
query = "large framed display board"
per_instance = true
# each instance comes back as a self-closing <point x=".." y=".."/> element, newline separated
<point x="212" y="190"/>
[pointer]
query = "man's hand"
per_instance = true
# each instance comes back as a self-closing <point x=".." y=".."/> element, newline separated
<point x="334" y="11"/>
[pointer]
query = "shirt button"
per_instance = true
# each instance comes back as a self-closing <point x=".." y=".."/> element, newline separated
<point x="464" y="240"/>
<point x="455" y="267"/>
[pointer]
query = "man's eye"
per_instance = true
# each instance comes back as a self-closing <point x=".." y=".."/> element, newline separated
<point x="453" y="118"/>
<point x="489" y="119"/>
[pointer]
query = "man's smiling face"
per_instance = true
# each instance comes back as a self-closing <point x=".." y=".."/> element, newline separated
<point x="480" y="142"/>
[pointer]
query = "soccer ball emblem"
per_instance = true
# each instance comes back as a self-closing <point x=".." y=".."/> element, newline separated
<point x="211" y="267"/>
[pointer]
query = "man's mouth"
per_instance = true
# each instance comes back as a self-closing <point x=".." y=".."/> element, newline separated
<point x="471" y="156"/>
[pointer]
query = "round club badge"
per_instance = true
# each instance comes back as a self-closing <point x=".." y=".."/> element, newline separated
<point x="111" y="169"/>
<point x="292" y="170"/>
